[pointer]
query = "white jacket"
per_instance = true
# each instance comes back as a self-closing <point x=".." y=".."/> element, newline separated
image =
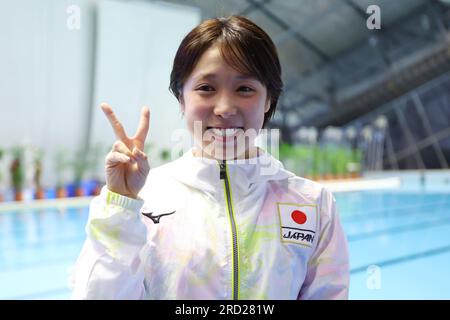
<point x="228" y="230"/>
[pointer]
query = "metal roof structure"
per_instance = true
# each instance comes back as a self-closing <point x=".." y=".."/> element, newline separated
<point x="325" y="45"/>
<point x="336" y="70"/>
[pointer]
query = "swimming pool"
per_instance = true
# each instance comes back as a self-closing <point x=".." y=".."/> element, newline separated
<point x="37" y="249"/>
<point x="399" y="246"/>
<point x="399" y="243"/>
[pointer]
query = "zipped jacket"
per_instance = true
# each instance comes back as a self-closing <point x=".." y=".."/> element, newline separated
<point x="208" y="229"/>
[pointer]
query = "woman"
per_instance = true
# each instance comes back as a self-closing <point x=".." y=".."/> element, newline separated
<point x="215" y="223"/>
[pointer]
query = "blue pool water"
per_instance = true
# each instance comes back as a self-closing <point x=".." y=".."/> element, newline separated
<point x="399" y="247"/>
<point x="404" y="236"/>
<point x="37" y="248"/>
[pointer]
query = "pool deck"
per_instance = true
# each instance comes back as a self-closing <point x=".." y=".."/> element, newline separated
<point x="361" y="184"/>
<point x="332" y="185"/>
<point x="46" y="203"/>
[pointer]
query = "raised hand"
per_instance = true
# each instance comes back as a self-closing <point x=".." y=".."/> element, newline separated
<point x="127" y="165"/>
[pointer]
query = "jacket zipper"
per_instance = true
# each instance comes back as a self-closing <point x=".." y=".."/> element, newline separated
<point x="235" y="279"/>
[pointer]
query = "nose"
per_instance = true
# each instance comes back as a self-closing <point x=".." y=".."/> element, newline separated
<point x="224" y="106"/>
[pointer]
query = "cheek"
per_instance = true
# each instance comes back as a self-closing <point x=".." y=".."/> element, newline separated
<point x="253" y="111"/>
<point x="196" y="110"/>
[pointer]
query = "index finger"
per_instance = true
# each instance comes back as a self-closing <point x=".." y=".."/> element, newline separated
<point x="115" y="123"/>
<point x="144" y="123"/>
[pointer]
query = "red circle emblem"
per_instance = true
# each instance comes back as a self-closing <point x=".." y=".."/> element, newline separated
<point x="299" y="216"/>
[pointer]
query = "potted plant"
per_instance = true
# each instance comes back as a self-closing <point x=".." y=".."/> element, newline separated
<point x="287" y="156"/>
<point x="17" y="173"/>
<point x="319" y="163"/>
<point x="39" y="193"/>
<point x="354" y="167"/>
<point x="341" y="160"/>
<point x="60" y="165"/>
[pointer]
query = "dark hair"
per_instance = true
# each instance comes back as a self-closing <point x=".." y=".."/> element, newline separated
<point x="242" y="44"/>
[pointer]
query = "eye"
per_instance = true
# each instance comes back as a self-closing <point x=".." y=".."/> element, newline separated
<point x="205" y="87"/>
<point x="245" y="89"/>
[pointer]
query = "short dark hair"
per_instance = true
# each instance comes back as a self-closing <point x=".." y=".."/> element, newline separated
<point x="242" y="44"/>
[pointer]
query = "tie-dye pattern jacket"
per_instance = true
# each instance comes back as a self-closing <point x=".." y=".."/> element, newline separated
<point x="204" y="229"/>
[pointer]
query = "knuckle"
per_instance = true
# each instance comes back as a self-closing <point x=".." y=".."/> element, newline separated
<point x="117" y="145"/>
<point x="108" y="157"/>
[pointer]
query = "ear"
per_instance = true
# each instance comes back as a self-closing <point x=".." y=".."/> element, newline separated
<point x="267" y="106"/>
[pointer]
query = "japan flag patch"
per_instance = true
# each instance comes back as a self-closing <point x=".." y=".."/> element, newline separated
<point x="298" y="223"/>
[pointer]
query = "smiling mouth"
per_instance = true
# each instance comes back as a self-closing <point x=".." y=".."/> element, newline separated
<point x="225" y="132"/>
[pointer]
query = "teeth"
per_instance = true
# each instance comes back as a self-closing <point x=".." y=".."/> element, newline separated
<point x="224" y="132"/>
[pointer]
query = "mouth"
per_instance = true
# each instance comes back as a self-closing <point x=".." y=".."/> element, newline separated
<point x="225" y="132"/>
<point x="222" y="133"/>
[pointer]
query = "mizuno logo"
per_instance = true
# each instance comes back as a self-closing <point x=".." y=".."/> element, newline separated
<point x="155" y="219"/>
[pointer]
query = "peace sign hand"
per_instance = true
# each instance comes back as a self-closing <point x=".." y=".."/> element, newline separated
<point x="126" y="164"/>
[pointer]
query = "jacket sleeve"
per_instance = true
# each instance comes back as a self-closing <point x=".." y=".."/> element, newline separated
<point x="110" y="265"/>
<point x="328" y="274"/>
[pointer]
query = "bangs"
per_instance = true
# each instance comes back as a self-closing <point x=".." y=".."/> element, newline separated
<point x="239" y="56"/>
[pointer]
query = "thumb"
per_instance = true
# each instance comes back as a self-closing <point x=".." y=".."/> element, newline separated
<point x="138" y="153"/>
<point x="141" y="159"/>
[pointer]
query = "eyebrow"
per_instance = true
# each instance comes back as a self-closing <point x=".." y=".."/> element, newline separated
<point x="213" y="76"/>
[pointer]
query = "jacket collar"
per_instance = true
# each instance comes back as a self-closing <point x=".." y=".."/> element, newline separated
<point x="204" y="174"/>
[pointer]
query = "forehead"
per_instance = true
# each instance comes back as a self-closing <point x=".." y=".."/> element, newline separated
<point x="210" y="62"/>
<point x="211" y="65"/>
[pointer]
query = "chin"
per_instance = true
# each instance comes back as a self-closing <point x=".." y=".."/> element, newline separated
<point x="216" y="151"/>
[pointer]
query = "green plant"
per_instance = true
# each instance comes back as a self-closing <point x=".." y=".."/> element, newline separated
<point x="341" y="160"/>
<point x="319" y="160"/>
<point x="287" y="156"/>
<point x="355" y="162"/>
<point x="305" y="159"/>
<point x="17" y="169"/>
<point x="165" y="155"/>
<point x="38" y="154"/>
<point x="301" y="159"/>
